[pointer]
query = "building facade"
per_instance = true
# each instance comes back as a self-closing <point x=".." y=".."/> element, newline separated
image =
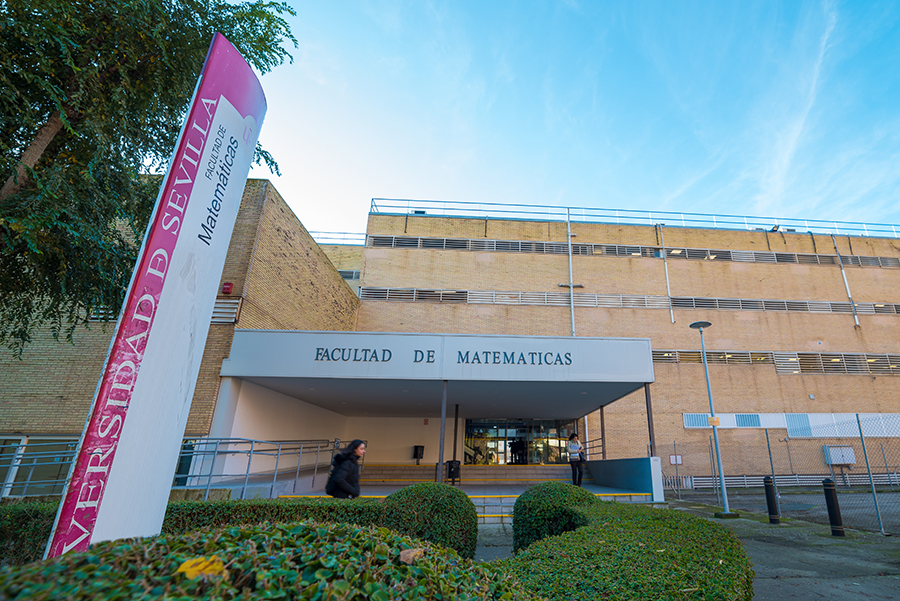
<point x="805" y="332"/>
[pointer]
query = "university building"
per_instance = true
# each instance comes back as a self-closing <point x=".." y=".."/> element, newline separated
<point x="522" y="325"/>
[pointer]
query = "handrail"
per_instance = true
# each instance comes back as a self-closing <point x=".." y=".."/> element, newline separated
<point x="202" y="463"/>
<point x="522" y="212"/>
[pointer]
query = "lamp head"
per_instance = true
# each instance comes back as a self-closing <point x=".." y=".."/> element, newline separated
<point x="697" y="325"/>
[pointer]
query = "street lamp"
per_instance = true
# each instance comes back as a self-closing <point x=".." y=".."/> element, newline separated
<point x="713" y="421"/>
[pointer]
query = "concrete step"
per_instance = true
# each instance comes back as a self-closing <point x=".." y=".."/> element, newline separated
<point x="405" y="474"/>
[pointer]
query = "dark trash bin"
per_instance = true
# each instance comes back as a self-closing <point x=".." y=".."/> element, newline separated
<point x="453" y="470"/>
<point x="418" y="452"/>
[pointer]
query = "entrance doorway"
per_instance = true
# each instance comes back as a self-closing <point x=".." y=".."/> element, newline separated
<point x="516" y="441"/>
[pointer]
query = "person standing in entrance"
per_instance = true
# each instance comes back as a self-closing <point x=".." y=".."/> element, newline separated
<point x="343" y="483"/>
<point x="576" y="459"/>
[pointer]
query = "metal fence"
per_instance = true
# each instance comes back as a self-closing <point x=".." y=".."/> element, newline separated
<point x="247" y="467"/>
<point x="861" y="456"/>
<point x="496" y="210"/>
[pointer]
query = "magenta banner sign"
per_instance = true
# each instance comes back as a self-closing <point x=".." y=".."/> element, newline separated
<point x="123" y="470"/>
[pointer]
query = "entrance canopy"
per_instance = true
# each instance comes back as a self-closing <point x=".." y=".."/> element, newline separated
<point x="402" y="375"/>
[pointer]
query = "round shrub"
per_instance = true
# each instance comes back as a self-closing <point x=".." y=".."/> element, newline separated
<point x="546" y="510"/>
<point x="438" y="513"/>
<point x="634" y="552"/>
<point x="306" y="560"/>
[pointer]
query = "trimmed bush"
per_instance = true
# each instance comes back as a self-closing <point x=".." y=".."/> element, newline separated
<point x="25" y="527"/>
<point x="183" y="517"/>
<point x="636" y="552"/>
<point x="438" y="513"/>
<point x="24" y="531"/>
<point x="274" y="561"/>
<point x="547" y="509"/>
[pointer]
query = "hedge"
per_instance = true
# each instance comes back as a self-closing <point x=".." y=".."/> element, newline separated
<point x="438" y="513"/>
<point x="547" y="509"/>
<point x="25" y="527"/>
<point x="183" y="517"/>
<point x="630" y="551"/>
<point x="24" y="530"/>
<point x="305" y="560"/>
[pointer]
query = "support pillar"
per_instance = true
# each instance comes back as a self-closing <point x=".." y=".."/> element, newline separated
<point x="455" y="429"/>
<point x="603" y="432"/>
<point x="650" y="420"/>
<point x="440" y="470"/>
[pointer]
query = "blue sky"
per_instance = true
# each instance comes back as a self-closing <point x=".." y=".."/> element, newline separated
<point x="785" y="109"/>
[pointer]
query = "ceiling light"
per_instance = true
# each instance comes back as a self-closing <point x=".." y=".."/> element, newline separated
<point x="871" y="360"/>
<point x="676" y="251"/>
<point x="879" y="305"/>
<point x="711" y="257"/>
<point x="635" y="254"/>
<point x="835" y="360"/>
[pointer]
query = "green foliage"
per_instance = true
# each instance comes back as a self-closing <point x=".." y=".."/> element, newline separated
<point x="187" y="516"/>
<point x="636" y="552"/>
<point x="272" y="561"/>
<point x="438" y="513"/>
<point x="24" y="531"/>
<point x="547" y="509"/>
<point x="92" y="92"/>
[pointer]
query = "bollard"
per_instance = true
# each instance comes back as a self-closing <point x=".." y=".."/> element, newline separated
<point x="771" y="500"/>
<point x="834" y="512"/>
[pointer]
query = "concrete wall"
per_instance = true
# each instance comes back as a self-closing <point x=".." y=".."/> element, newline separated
<point x="642" y="474"/>
<point x="391" y="440"/>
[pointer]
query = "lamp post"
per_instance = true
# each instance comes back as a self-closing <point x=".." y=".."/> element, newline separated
<point x="713" y="421"/>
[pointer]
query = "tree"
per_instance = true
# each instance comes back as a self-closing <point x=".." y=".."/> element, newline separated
<point x="92" y="94"/>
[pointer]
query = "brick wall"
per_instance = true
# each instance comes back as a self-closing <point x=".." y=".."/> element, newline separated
<point x="679" y="388"/>
<point x="286" y="282"/>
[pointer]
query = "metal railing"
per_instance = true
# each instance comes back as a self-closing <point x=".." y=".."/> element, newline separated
<point x="241" y="463"/>
<point x="35" y="468"/>
<point x="521" y="212"/>
<point x="41" y="468"/>
<point x="593" y="448"/>
<point x="349" y="238"/>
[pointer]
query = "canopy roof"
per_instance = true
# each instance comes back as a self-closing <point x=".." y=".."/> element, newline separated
<point x="402" y="374"/>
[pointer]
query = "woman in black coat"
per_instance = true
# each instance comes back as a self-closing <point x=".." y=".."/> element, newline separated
<point x="343" y="482"/>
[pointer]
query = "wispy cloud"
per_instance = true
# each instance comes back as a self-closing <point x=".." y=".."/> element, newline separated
<point x="319" y="65"/>
<point x="790" y="131"/>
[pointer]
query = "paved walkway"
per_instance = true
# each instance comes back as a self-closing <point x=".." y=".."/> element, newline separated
<point x="796" y="560"/>
<point x="802" y="560"/>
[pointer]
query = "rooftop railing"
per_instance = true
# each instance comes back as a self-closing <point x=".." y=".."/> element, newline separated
<point x="521" y="212"/>
<point x="350" y="238"/>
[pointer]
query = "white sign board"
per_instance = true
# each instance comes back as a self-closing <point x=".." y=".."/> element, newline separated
<point x="123" y="469"/>
<point x="455" y="357"/>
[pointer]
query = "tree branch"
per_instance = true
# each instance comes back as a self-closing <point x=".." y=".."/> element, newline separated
<point x="32" y="155"/>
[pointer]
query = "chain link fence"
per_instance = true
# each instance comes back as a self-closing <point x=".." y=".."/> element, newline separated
<point x="861" y="455"/>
